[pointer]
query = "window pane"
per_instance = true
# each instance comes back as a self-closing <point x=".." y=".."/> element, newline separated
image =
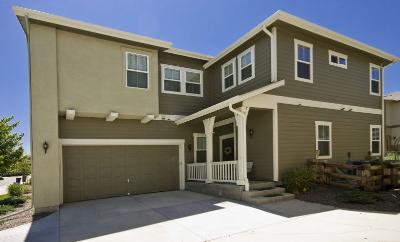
<point x="375" y="134"/>
<point x="375" y="73"/>
<point x="137" y="79"/>
<point x="201" y="155"/>
<point x="132" y="61"/>
<point x="334" y="59"/>
<point x="228" y="81"/>
<point x="323" y="147"/>
<point x="201" y="143"/>
<point x="303" y="70"/>
<point x="246" y="59"/>
<point x="172" y="74"/>
<point x="323" y="132"/>
<point x="342" y="61"/>
<point x="192" y="88"/>
<point x="142" y="63"/>
<point x="246" y="72"/>
<point x="375" y="86"/>
<point x="376" y="147"/>
<point x="193" y="77"/>
<point x="303" y="53"/>
<point x="228" y="70"/>
<point x="173" y="86"/>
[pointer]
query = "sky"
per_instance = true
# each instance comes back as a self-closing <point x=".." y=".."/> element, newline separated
<point x="204" y="26"/>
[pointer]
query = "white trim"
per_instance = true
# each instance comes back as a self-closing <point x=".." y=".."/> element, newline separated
<point x="253" y="65"/>
<point x="195" y="136"/>
<point x="380" y="139"/>
<point x="266" y="100"/>
<point x="187" y="53"/>
<point x="338" y="55"/>
<point x="129" y="142"/>
<point x="223" y="77"/>
<point x="274" y="55"/>
<point x="372" y="65"/>
<point x="75" y="24"/>
<point x="224" y="122"/>
<point x="127" y="69"/>
<point x="70" y="114"/>
<point x="223" y="137"/>
<point x="311" y="63"/>
<point x="275" y="142"/>
<point x="112" y="116"/>
<point x="182" y="81"/>
<point x="306" y="25"/>
<point x="232" y="100"/>
<point x="323" y="123"/>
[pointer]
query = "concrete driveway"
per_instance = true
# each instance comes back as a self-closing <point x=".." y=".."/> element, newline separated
<point x="187" y="216"/>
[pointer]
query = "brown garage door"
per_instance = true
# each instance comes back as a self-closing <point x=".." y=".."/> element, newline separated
<point x="92" y="172"/>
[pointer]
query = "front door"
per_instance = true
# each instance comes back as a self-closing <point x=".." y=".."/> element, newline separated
<point x="227" y="147"/>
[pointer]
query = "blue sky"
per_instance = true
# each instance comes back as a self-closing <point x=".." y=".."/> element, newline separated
<point x="206" y="26"/>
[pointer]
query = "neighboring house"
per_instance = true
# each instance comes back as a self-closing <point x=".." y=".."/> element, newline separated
<point x="392" y="109"/>
<point x="126" y="114"/>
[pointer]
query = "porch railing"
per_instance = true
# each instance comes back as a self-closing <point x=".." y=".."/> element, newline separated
<point x="196" y="171"/>
<point x="224" y="171"/>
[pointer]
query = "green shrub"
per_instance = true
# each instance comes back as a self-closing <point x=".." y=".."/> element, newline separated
<point x="13" y="201"/>
<point x="359" y="197"/>
<point x="299" y="180"/>
<point x="5" y="209"/>
<point x="15" y="190"/>
<point x="27" y="189"/>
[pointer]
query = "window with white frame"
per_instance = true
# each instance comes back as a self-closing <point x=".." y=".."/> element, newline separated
<point x="323" y="137"/>
<point x="303" y="61"/>
<point x="375" y="79"/>
<point x="228" y="75"/>
<point x="137" y="70"/>
<point x="246" y="63"/>
<point x="200" y="151"/>
<point x="337" y="59"/>
<point x="180" y="80"/>
<point x="375" y="142"/>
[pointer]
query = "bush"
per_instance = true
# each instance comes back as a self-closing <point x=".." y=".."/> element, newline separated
<point x="299" y="180"/>
<point x="13" y="201"/>
<point x="16" y="190"/>
<point x="27" y="189"/>
<point x="5" y="209"/>
<point x="359" y="197"/>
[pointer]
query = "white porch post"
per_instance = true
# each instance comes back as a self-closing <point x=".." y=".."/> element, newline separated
<point x="208" y="130"/>
<point x="241" y="122"/>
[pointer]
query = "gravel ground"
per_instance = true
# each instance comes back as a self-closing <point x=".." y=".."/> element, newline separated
<point x="21" y="215"/>
<point x="325" y="194"/>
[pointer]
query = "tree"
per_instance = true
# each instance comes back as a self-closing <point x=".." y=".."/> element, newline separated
<point x="11" y="150"/>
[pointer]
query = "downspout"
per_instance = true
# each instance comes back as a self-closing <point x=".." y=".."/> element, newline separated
<point x="272" y="36"/>
<point x="383" y="127"/>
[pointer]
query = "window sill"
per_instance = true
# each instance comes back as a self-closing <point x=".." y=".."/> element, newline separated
<point x="304" y="80"/>
<point x="246" y="80"/>
<point x="182" y="94"/>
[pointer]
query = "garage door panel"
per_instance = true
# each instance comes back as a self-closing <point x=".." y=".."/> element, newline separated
<point x="92" y="172"/>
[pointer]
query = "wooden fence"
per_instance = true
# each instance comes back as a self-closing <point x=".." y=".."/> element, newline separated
<point x="369" y="177"/>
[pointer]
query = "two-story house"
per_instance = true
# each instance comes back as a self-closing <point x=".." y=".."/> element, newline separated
<point x="392" y="121"/>
<point x="114" y="113"/>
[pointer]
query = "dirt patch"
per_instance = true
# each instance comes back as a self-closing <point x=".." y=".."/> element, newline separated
<point x="22" y="215"/>
<point x="330" y="195"/>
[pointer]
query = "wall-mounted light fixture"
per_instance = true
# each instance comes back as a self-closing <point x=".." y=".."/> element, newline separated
<point x="45" y="146"/>
<point x="251" y="132"/>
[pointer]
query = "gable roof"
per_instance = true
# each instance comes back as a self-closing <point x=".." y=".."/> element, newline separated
<point x="304" y="24"/>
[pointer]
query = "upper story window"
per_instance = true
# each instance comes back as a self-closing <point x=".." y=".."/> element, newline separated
<point x="337" y="59"/>
<point x="200" y="150"/>
<point x="375" y="139"/>
<point x="180" y="80"/>
<point x="323" y="137"/>
<point x="375" y="79"/>
<point x="303" y="61"/>
<point x="228" y="75"/>
<point x="246" y="62"/>
<point x="137" y="70"/>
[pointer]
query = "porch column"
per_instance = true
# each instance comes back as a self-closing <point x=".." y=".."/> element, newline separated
<point x="208" y="130"/>
<point x="241" y="123"/>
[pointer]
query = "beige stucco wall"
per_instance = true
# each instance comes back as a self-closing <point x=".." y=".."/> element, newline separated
<point x="44" y="125"/>
<point x="92" y="77"/>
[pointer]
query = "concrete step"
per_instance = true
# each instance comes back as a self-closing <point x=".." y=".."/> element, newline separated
<point x="266" y="192"/>
<point x="261" y="185"/>
<point x="271" y="199"/>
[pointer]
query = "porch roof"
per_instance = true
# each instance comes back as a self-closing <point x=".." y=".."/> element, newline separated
<point x="232" y="100"/>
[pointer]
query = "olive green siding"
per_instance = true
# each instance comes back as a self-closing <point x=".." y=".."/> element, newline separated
<point x="96" y="128"/>
<point x="262" y="70"/>
<point x="350" y="133"/>
<point x="181" y="104"/>
<point x="331" y="84"/>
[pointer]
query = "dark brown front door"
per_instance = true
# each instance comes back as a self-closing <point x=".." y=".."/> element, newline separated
<point x="228" y="149"/>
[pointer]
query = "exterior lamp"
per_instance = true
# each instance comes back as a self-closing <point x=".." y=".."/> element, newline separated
<point x="45" y="146"/>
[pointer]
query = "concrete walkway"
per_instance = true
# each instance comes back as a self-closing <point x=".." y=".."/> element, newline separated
<point x="187" y="216"/>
